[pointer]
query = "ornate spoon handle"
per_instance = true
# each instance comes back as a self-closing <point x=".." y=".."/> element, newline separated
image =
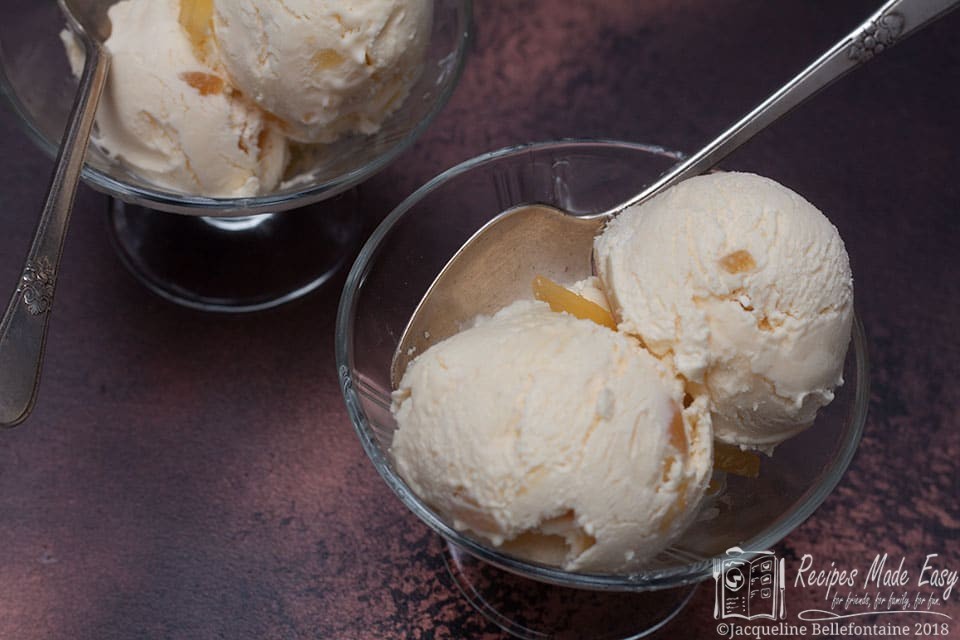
<point x="23" y="330"/>
<point x="894" y="21"/>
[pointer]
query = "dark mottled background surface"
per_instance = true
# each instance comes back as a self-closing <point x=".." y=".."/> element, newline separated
<point x="195" y="476"/>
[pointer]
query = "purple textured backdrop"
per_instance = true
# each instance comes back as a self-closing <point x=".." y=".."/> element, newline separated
<point x="195" y="476"/>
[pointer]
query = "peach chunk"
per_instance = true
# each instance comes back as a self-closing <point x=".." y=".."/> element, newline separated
<point x="738" y="262"/>
<point x="732" y="459"/>
<point x="196" y="18"/>
<point x="205" y="83"/>
<point x="327" y="59"/>
<point x="562" y="299"/>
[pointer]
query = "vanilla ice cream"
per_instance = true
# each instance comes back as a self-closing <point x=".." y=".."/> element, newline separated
<point x="205" y="96"/>
<point x="746" y="287"/>
<point x="173" y="118"/>
<point x="553" y="438"/>
<point x="323" y="68"/>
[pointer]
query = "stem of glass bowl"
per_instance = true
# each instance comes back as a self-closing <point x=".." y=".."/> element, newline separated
<point x="236" y="264"/>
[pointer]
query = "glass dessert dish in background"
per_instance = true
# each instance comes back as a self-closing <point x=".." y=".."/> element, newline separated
<point x="392" y="273"/>
<point x="228" y="254"/>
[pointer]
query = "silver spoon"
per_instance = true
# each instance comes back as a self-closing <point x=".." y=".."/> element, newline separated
<point x="498" y="263"/>
<point x="23" y="330"/>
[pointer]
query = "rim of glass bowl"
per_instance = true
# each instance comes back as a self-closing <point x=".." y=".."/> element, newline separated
<point x="206" y="206"/>
<point x="640" y="581"/>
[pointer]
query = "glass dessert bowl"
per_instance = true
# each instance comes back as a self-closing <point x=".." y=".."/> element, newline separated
<point x="392" y="273"/>
<point x="229" y="254"/>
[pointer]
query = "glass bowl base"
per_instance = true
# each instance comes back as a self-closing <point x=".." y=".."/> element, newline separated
<point x="535" y="610"/>
<point x="236" y="264"/>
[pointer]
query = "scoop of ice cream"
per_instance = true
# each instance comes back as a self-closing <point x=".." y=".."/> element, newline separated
<point x="324" y="68"/>
<point x="553" y="437"/>
<point x="747" y="287"/>
<point x="173" y="118"/>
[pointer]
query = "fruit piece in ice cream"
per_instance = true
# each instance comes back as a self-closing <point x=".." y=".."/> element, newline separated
<point x="746" y="287"/>
<point x="730" y="458"/>
<point x="562" y="299"/>
<point x="196" y="18"/>
<point x="554" y="439"/>
<point x="324" y="68"/>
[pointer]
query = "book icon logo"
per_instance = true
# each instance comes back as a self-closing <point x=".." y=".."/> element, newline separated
<point x="749" y="585"/>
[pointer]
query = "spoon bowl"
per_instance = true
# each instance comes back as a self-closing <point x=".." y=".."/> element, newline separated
<point x="494" y="268"/>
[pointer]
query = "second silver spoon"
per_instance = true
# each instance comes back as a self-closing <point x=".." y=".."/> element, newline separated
<point x="23" y="329"/>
